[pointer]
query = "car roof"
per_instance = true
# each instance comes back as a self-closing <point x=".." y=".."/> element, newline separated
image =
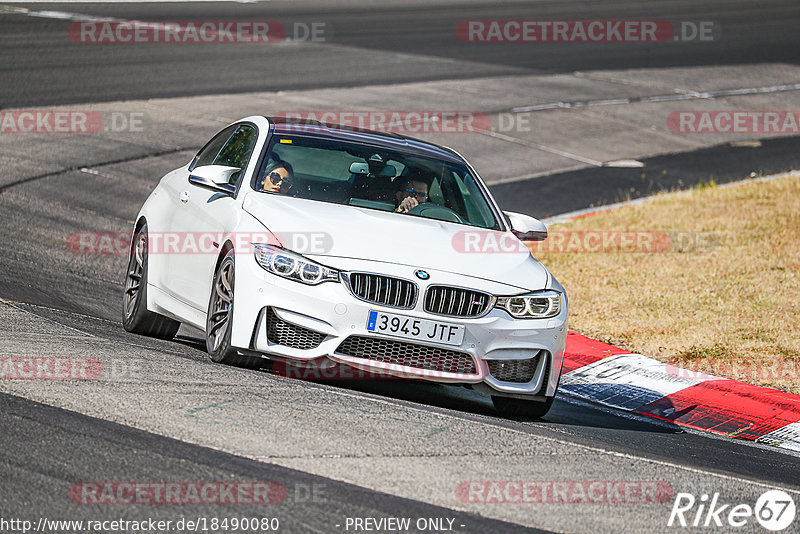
<point x="388" y="140"/>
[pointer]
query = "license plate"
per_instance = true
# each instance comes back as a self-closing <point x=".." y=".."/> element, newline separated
<point x="411" y="328"/>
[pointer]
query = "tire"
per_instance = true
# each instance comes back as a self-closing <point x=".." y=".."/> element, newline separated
<point x="135" y="316"/>
<point x="520" y="408"/>
<point x="219" y="318"/>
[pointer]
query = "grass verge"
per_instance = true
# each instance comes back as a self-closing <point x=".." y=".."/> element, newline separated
<point x="707" y="279"/>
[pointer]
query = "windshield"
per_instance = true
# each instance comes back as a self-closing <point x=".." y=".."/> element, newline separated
<point x="375" y="178"/>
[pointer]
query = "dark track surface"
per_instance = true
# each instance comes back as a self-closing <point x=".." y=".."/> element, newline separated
<point x="41" y="66"/>
<point x="571" y="191"/>
<point x="45" y="449"/>
<point x="81" y="448"/>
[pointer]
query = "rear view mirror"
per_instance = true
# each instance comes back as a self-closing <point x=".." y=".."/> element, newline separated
<point x="359" y="168"/>
<point x="526" y="228"/>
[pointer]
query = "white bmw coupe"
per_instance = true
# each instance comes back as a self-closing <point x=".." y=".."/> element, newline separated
<point x="316" y="244"/>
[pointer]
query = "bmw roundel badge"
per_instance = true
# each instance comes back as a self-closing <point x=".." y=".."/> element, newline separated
<point x="422" y="275"/>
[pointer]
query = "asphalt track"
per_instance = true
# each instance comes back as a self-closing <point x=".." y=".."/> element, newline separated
<point x="367" y="43"/>
<point x="379" y="449"/>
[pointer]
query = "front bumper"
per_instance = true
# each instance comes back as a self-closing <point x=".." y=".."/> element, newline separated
<point x="322" y="318"/>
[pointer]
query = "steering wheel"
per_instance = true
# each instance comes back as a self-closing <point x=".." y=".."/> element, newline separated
<point x="435" y="211"/>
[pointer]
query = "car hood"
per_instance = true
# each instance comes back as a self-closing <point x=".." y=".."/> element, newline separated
<point x="320" y="229"/>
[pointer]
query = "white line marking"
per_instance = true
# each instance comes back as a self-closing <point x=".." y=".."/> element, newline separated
<point x="624" y="164"/>
<point x="611" y="101"/>
<point x="672" y="98"/>
<point x="539" y="174"/>
<point x="489" y="422"/>
<point x="543" y="148"/>
<point x="58" y="15"/>
<point x="707" y="95"/>
<point x="13" y="304"/>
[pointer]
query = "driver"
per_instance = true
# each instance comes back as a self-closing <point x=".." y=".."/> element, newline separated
<point x="412" y="190"/>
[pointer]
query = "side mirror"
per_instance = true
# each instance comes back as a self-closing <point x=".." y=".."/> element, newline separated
<point x="214" y="177"/>
<point x="526" y="228"/>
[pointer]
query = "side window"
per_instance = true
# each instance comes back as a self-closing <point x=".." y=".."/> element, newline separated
<point x="435" y="193"/>
<point x="477" y="212"/>
<point x="237" y="151"/>
<point x="208" y="154"/>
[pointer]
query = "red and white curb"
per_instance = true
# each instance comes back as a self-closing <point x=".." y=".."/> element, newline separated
<point x="615" y="377"/>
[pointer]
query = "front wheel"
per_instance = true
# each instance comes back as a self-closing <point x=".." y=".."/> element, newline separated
<point x="529" y="409"/>
<point x="136" y="318"/>
<point x="219" y="321"/>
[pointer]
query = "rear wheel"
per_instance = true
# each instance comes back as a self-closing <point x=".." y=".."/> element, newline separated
<point x="219" y="322"/>
<point x="135" y="316"/>
<point x="513" y="407"/>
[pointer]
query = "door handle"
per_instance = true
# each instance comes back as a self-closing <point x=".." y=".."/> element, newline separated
<point x="184" y="196"/>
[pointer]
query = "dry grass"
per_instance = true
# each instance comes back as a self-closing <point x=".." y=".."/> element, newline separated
<point x="724" y="297"/>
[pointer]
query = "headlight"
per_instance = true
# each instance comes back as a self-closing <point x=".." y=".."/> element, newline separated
<point x="293" y="266"/>
<point x="537" y="305"/>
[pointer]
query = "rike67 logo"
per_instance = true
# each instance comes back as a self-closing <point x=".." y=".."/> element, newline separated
<point x="774" y="510"/>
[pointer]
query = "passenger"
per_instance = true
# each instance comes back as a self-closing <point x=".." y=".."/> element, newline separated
<point x="278" y="177"/>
